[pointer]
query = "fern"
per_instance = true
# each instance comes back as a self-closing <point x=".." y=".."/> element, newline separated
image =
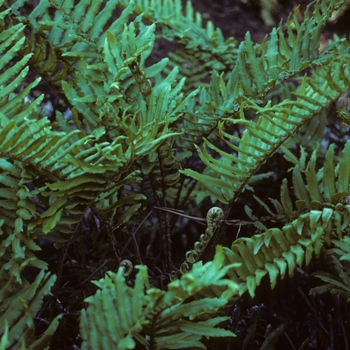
<point x="155" y="318"/>
<point x="20" y="301"/>
<point x="276" y="251"/>
<point x="279" y="251"/>
<point x="169" y="133"/>
<point x="276" y="123"/>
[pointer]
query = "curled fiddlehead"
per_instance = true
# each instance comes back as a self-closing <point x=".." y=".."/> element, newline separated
<point x="127" y="266"/>
<point x="214" y="216"/>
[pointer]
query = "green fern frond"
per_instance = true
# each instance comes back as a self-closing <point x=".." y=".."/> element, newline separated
<point x="133" y="126"/>
<point x="278" y="252"/>
<point x="20" y="301"/>
<point x="155" y="318"/>
<point x="314" y="189"/>
<point x="325" y="198"/>
<point x="73" y="165"/>
<point x="46" y="58"/>
<point x="274" y="126"/>
<point x="18" y="312"/>
<point x="342" y="248"/>
<point x="85" y="22"/>
<point x="214" y="217"/>
<point x="183" y="24"/>
<point x="257" y="70"/>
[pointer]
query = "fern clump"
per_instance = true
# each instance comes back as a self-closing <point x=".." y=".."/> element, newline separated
<point x="157" y="318"/>
<point x="92" y="190"/>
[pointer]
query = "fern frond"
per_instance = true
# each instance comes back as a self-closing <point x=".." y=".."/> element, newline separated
<point x="20" y="301"/>
<point x="182" y="25"/>
<point x="132" y="127"/>
<point x="274" y="126"/>
<point x="71" y="163"/>
<point x="325" y="198"/>
<point x="45" y="58"/>
<point x="342" y="248"/>
<point x="214" y="217"/>
<point x="155" y="318"/>
<point x="259" y="68"/>
<point x="278" y="252"/>
<point x="256" y="71"/>
<point x="314" y="189"/>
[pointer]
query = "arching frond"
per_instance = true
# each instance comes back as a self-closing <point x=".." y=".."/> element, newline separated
<point x="277" y="252"/>
<point x="183" y="24"/>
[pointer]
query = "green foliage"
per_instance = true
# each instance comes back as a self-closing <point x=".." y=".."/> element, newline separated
<point x="180" y="132"/>
<point x="252" y="77"/>
<point x="20" y="301"/>
<point x="157" y="319"/>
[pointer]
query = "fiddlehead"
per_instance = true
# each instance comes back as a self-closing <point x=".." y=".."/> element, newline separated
<point x="127" y="266"/>
<point x="214" y="216"/>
